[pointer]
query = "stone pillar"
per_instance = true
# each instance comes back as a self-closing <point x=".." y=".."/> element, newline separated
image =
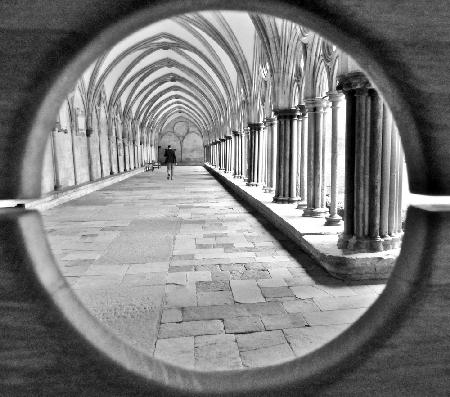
<point x="245" y="153"/>
<point x="336" y="99"/>
<point x="222" y="150"/>
<point x="55" y="162"/>
<point x="89" y="153"/>
<point x="315" y="196"/>
<point x="303" y="156"/>
<point x="253" y="160"/>
<point x="235" y="146"/>
<point x="287" y="157"/>
<point x="262" y="150"/>
<point x="271" y="154"/>
<point x="372" y="220"/>
<point x="229" y="153"/>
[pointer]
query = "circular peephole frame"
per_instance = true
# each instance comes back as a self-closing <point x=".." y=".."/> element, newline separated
<point x="326" y="362"/>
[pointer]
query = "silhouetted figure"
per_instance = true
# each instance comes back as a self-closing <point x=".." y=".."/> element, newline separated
<point x="171" y="160"/>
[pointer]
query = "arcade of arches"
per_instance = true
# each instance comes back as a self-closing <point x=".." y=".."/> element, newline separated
<point x="255" y="96"/>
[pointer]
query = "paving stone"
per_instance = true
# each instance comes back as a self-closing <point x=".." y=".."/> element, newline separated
<point x="297" y="281"/>
<point x="220" y="276"/>
<point x="144" y="279"/>
<point x="346" y="302"/>
<point x="246" y="291"/>
<point x="180" y="296"/>
<point x="176" y="351"/>
<point x="281" y="321"/>
<point x="209" y="286"/>
<point x="232" y="267"/>
<point x="215" y="298"/>
<point x="307" y="339"/>
<point x="243" y="325"/>
<point x="178" y="269"/>
<point x="156" y="267"/>
<point x="213" y="312"/>
<point x="276" y="292"/>
<point x="98" y="282"/>
<point x="308" y="291"/>
<point x="258" y="340"/>
<point x="333" y="317"/>
<point x="256" y="266"/>
<point x="336" y="290"/>
<point x="300" y="306"/>
<point x="105" y="270"/>
<point x="280" y="273"/>
<point x="267" y="356"/>
<point x="272" y="283"/>
<point x="190" y="328"/>
<point x="249" y="274"/>
<point x="216" y="351"/>
<point x="178" y="278"/>
<point x="171" y="316"/>
<point x="207" y="268"/>
<point x="193" y="277"/>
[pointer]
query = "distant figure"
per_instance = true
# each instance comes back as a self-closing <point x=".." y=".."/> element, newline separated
<point x="171" y="160"/>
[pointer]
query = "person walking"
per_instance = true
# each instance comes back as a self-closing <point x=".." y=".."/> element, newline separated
<point x="171" y="160"/>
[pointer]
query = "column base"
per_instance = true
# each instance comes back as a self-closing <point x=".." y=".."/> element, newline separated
<point x="366" y="244"/>
<point x="333" y="220"/>
<point x="315" y="212"/>
<point x="280" y="200"/>
<point x="251" y="184"/>
<point x="301" y="205"/>
<point x="268" y="189"/>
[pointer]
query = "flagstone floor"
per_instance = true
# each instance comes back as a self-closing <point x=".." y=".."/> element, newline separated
<point x="181" y="270"/>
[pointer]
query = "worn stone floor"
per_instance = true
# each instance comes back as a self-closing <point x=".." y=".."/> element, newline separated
<point x="182" y="271"/>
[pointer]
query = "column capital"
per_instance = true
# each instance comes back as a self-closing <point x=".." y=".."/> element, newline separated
<point x="236" y="133"/>
<point x="228" y="137"/>
<point x="302" y="110"/>
<point x="286" y="113"/>
<point x="335" y="97"/>
<point x="222" y="139"/>
<point x="270" y="121"/>
<point x="317" y="105"/>
<point x="255" y="126"/>
<point x="353" y="81"/>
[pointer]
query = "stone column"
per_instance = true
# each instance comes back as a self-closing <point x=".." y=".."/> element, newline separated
<point x="287" y="156"/>
<point x="245" y="152"/>
<point x="262" y="156"/>
<point x="371" y="221"/>
<point x="229" y="159"/>
<point x="253" y="160"/>
<point x="55" y="162"/>
<point x="222" y="154"/>
<point x="315" y="197"/>
<point x="235" y="147"/>
<point x="271" y="154"/>
<point x="303" y="155"/>
<point x="336" y="99"/>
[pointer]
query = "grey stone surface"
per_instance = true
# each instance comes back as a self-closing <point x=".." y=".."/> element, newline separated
<point x="243" y="325"/>
<point x="190" y="328"/>
<point x="216" y="351"/>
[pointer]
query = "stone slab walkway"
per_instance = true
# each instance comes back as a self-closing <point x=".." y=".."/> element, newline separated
<point x="181" y="270"/>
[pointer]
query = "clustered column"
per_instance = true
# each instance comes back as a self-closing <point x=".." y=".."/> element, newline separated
<point x="271" y="154"/>
<point x="254" y="161"/>
<point x="237" y="154"/>
<point x="373" y="174"/>
<point x="229" y="153"/>
<point x="315" y="196"/>
<point x="302" y="155"/>
<point x="222" y="149"/>
<point x="245" y="153"/>
<point x="287" y="156"/>
<point x="336" y="99"/>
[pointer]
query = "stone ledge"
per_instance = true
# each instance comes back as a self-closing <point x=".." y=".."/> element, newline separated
<point x="316" y="239"/>
<point x="56" y="198"/>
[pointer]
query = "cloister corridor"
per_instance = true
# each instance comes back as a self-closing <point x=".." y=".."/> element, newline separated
<point x="183" y="271"/>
